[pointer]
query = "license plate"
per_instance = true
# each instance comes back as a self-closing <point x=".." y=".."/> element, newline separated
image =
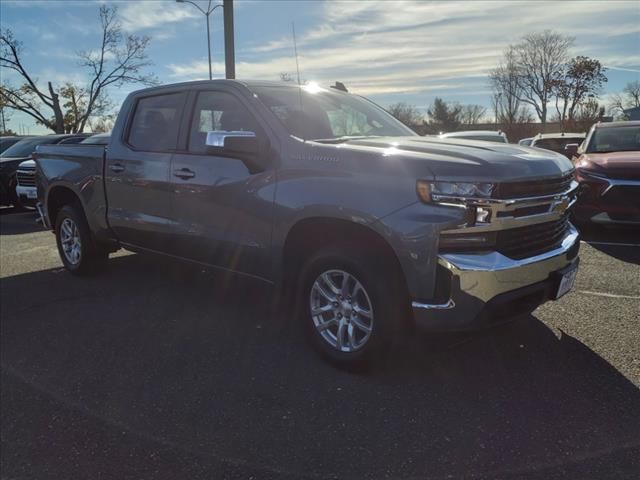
<point x="31" y="194"/>
<point x="567" y="281"/>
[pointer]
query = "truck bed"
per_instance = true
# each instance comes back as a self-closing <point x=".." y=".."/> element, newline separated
<point x="78" y="167"/>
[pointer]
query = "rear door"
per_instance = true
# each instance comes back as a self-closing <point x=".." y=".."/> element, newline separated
<point x="137" y="172"/>
<point x="221" y="207"/>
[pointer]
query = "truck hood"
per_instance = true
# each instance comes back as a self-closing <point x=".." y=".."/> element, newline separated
<point x="28" y="164"/>
<point x="456" y="159"/>
<point x="615" y="164"/>
<point x="13" y="159"/>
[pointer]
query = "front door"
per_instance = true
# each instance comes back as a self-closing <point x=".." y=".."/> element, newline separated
<point x="222" y="208"/>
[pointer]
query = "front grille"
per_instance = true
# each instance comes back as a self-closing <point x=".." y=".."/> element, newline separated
<point x="532" y="240"/>
<point x="26" y="178"/>
<point x="533" y="188"/>
<point x="622" y="203"/>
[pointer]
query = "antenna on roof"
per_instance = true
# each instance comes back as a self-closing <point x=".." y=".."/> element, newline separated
<point x="295" y="49"/>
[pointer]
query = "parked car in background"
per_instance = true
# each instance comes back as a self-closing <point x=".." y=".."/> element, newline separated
<point x="26" y="173"/>
<point x="525" y="142"/>
<point x="608" y="168"/>
<point x="6" y="142"/>
<point x="357" y="220"/>
<point x="97" y="139"/>
<point x="483" y="135"/>
<point x="557" y="142"/>
<point x="26" y="184"/>
<point x="20" y="152"/>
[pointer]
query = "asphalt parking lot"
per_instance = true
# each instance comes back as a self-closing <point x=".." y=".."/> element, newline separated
<point x="155" y="370"/>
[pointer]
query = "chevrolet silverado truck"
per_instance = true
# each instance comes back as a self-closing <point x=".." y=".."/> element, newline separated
<point x="357" y="221"/>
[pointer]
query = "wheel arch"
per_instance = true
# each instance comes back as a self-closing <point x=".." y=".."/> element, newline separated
<point x="308" y="235"/>
<point x="57" y="197"/>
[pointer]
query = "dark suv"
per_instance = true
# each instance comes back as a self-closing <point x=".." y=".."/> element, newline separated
<point x="18" y="153"/>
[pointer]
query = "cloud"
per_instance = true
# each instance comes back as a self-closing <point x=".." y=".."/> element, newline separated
<point x="149" y="15"/>
<point x="384" y="47"/>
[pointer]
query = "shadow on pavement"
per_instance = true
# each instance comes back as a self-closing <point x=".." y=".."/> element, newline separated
<point x="19" y="222"/>
<point x="604" y="239"/>
<point x="156" y="370"/>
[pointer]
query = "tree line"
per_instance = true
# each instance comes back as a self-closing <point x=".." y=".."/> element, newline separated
<point x="535" y="79"/>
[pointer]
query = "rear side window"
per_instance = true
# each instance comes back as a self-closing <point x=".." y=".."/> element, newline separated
<point x="218" y="111"/>
<point x="155" y="123"/>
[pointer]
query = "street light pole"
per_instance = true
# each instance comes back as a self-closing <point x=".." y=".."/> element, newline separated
<point x="206" y="14"/>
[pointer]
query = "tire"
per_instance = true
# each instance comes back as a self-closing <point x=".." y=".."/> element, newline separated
<point x="357" y="326"/>
<point x="78" y="251"/>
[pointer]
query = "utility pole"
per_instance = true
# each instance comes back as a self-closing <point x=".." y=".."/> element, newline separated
<point x="229" y="44"/>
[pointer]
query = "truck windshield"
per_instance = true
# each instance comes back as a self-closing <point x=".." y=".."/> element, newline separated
<point x="615" y="139"/>
<point x="313" y="113"/>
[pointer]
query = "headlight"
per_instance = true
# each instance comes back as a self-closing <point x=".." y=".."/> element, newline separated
<point x="428" y="190"/>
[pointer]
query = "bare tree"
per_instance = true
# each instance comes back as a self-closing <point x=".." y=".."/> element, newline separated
<point x="5" y="116"/>
<point x="540" y="59"/>
<point x="580" y="80"/>
<point x="507" y="90"/>
<point x="629" y="98"/>
<point x="472" y="114"/>
<point x="632" y="93"/>
<point x="407" y="114"/>
<point x="119" y="60"/>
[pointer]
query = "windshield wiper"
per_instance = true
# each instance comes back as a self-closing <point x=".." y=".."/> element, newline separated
<point x="344" y="138"/>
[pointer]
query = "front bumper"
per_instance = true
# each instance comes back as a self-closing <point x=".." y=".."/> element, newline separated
<point x="608" y="201"/>
<point x="27" y="195"/>
<point x="484" y="287"/>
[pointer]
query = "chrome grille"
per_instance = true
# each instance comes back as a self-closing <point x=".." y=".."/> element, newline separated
<point x="26" y="178"/>
<point x="533" y="188"/>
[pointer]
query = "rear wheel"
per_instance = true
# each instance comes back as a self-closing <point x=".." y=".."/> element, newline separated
<point x="350" y="305"/>
<point x="78" y="252"/>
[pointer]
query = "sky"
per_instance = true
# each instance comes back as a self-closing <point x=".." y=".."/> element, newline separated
<point x="389" y="51"/>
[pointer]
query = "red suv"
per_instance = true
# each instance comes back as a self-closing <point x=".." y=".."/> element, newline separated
<point x="608" y="168"/>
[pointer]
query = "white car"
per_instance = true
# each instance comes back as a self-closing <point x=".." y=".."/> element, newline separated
<point x="26" y="183"/>
<point x="483" y="135"/>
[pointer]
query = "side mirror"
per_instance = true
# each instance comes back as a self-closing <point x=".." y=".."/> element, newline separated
<point x="571" y="149"/>
<point x="235" y="141"/>
<point x="240" y="144"/>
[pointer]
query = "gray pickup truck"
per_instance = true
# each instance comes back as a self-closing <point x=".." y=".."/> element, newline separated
<point x="354" y="219"/>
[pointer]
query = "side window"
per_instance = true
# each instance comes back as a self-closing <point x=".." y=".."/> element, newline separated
<point x="217" y="111"/>
<point x="155" y="123"/>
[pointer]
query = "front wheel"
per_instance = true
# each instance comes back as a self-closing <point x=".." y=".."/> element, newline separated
<point x="78" y="252"/>
<point x="351" y="306"/>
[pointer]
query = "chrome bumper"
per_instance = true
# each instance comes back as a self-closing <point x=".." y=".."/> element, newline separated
<point x="481" y="280"/>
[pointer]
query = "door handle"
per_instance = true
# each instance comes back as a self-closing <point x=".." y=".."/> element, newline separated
<point x="184" y="173"/>
<point x="117" y="168"/>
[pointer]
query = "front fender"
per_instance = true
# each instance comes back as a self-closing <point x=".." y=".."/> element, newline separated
<point x="413" y="234"/>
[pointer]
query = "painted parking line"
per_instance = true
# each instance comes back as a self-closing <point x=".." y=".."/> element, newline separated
<point x="612" y="244"/>
<point x="609" y="295"/>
